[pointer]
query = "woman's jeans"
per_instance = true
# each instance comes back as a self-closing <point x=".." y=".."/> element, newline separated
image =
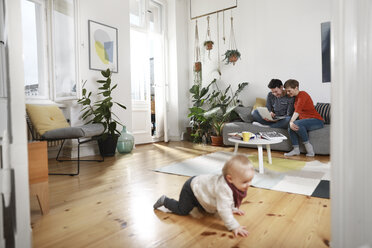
<point x="304" y="125"/>
<point x="283" y="123"/>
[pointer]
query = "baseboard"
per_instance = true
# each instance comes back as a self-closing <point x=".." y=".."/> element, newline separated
<point x="174" y="138"/>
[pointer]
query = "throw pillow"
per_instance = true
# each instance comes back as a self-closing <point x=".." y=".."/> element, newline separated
<point x="46" y="117"/>
<point x="244" y="113"/>
<point x="324" y="109"/>
<point x="260" y="102"/>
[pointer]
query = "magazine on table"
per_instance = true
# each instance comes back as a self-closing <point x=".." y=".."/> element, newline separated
<point x="235" y="135"/>
<point x="265" y="113"/>
<point x="239" y="136"/>
<point x="272" y="135"/>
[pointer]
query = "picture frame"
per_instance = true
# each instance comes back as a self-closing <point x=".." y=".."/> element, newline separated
<point x="326" y="51"/>
<point x="103" y="46"/>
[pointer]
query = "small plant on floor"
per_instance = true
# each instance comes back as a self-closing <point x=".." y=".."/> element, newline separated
<point x="199" y="124"/>
<point x="222" y="104"/>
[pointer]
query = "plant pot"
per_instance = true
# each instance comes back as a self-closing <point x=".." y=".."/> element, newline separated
<point x="217" y="140"/>
<point x="197" y="66"/>
<point x="107" y="146"/>
<point x="233" y="59"/>
<point x="209" y="46"/>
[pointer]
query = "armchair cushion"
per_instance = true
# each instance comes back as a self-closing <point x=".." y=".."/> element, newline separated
<point x="46" y="117"/>
<point x="88" y="130"/>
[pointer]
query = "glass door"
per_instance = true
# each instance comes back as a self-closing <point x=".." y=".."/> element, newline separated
<point x="147" y="70"/>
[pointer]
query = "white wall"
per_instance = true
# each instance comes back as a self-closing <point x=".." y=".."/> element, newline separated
<point x="178" y="97"/>
<point x="114" y="13"/>
<point x="277" y="39"/>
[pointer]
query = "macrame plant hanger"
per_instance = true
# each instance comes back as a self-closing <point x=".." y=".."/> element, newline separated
<point x="223" y="27"/>
<point x="218" y="46"/>
<point x="232" y="55"/>
<point x="208" y="43"/>
<point x="197" y="63"/>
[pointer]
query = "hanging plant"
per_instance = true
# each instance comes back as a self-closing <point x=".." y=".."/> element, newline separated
<point x="232" y="54"/>
<point x="197" y="64"/>
<point x="208" y="44"/>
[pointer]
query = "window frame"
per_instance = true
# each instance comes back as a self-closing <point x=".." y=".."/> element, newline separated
<point x="49" y="57"/>
<point x="52" y="37"/>
<point x="42" y="33"/>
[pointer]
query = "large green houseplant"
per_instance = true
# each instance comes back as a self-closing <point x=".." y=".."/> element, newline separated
<point x="99" y="111"/>
<point x="222" y="104"/>
<point x="198" y="122"/>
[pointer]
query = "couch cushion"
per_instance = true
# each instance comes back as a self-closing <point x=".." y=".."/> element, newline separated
<point x="260" y="102"/>
<point x="244" y="113"/>
<point x="46" y="117"/>
<point x="324" y="109"/>
<point x="320" y="138"/>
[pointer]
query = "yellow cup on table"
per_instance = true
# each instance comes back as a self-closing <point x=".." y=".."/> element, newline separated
<point x="247" y="136"/>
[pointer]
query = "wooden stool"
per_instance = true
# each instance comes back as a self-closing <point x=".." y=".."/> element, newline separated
<point x="38" y="173"/>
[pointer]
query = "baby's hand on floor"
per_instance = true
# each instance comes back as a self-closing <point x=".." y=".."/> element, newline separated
<point x="241" y="230"/>
<point x="238" y="212"/>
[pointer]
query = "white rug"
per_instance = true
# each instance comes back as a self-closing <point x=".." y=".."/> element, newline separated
<point x="299" y="177"/>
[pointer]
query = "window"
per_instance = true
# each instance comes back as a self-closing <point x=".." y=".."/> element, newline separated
<point x="137" y="13"/>
<point x="49" y="29"/>
<point x="64" y="48"/>
<point x="34" y="48"/>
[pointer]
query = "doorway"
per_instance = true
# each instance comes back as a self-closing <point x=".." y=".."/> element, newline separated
<point x="148" y="70"/>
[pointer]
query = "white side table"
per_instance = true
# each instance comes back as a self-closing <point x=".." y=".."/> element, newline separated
<point x="259" y="143"/>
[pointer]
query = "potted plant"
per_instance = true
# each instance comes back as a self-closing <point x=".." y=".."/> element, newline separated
<point x="222" y="103"/>
<point x="208" y="44"/>
<point x="99" y="111"/>
<point x="231" y="56"/>
<point x="199" y="124"/>
<point x="218" y="118"/>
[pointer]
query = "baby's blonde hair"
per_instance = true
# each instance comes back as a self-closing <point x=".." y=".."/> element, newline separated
<point x="237" y="160"/>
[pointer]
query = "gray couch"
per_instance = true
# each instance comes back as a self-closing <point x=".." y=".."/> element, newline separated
<point x="320" y="138"/>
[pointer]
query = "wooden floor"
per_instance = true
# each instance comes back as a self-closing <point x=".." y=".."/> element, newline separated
<point x="110" y="205"/>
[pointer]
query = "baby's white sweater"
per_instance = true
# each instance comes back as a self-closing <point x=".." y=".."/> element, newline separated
<point x="215" y="195"/>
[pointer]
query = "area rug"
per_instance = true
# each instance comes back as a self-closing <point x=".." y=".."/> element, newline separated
<point x="286" y="175"/>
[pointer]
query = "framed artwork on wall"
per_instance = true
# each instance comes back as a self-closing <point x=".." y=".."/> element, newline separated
<point x="326" y="51"/>
<point x="103" y="46"/>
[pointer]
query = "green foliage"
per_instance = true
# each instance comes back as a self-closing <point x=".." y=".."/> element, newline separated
<point x="199" y="124"/>
<point x="222" y="103"/>
<point x="211" y="111"/>
<point x="99" y="111"/>
<point x="208" y="42"/>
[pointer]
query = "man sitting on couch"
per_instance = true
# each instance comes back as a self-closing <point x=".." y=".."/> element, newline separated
<point x="279" y="104"/>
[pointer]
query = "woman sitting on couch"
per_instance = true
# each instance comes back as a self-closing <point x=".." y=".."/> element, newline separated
<point x="305" y="118"/>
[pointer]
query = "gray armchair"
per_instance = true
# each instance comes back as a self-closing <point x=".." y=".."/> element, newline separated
<point x="46" y="122"/>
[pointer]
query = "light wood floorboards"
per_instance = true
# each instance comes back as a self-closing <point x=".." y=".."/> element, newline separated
<point x="110" y="205"/>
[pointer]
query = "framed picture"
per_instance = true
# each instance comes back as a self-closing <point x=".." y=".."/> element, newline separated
<point x="326" y="51"/>
<point x="103" y="46"/>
